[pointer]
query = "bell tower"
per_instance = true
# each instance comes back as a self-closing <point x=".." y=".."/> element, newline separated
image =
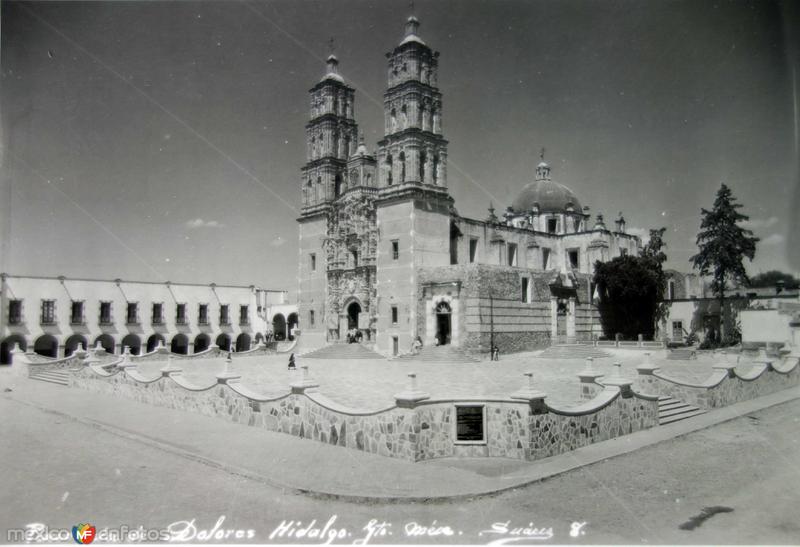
<point x="413" y="150"/>
<point x="331" y="137"/>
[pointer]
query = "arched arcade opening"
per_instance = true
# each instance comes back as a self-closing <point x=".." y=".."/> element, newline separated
<point x="154" y="341"/>
<point x="134" y="343"/>
<point x="224" y="342"/>
<point x="201" y="343"/>
<point x="243" y="342"/>
<point x="74" y="343"/>
<point x="179" y="344"/>
<point x="7" y="346"/>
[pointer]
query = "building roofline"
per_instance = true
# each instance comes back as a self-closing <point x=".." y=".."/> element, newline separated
<point x="171" y="283"/>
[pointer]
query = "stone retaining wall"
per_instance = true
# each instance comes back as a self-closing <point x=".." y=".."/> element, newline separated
<point x="415" y="428"/>
<point x="726" y="385"/>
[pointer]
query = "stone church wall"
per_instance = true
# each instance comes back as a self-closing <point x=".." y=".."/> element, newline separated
<point x="491" y="299"/>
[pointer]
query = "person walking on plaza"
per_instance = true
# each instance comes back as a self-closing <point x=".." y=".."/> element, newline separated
<point x="291" y="362"/>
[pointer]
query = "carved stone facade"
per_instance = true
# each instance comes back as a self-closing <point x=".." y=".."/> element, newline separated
<point x="384" y="253"/>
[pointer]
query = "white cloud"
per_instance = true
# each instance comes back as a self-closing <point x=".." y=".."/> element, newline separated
<point x="200" y="223"/>
<point x="758" y="223"/>
<point x="773" y="239"/>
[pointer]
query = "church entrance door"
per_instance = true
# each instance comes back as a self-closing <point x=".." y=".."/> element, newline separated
<point x="443" y="323"/>
<point x="353" y="334"/>
<point x="353" y="311"/>
<point x="561" y="322"/>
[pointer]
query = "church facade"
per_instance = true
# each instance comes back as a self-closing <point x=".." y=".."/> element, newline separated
<point x="385" y="254"/>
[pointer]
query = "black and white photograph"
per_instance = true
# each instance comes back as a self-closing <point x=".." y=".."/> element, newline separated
<point x="392" y="272"/>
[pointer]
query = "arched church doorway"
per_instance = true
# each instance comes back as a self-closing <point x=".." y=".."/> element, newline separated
<point x="444" y="326"/>
<point x="279" y="326"/>
<point x="562" y="310"/>
<point x="291" y="323"/>
<point x="353" y="311"/>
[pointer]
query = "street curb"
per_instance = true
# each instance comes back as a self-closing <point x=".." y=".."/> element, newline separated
<point x="597" y="452"/>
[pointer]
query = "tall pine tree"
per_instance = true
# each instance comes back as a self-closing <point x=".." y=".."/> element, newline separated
<point x="723" y="245"/>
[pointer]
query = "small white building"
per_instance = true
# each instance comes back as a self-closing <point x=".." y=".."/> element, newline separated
<point x="54" y="316"/>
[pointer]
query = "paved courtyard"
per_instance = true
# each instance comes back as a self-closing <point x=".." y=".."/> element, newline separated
<point x="371" y="384"/>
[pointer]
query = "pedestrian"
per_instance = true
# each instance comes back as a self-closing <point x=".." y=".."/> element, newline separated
<point x="291" y="362"/>
<point x="495" y="353"/>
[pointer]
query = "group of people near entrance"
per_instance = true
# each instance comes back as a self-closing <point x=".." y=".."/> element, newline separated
<point x="354" y="336"/>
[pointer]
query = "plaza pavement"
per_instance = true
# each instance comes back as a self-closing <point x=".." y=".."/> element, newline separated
<point x="371" y="384"/>
<point x="305" y="466"/>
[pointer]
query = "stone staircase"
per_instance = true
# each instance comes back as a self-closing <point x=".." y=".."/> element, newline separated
<point x="60" y="377"/>
<point x="440" y="354"/>
<point x="343" y="351"/>
<point x="573" y="351"/>
<point x="673" y="410"/>
<point x="681" y="354"/>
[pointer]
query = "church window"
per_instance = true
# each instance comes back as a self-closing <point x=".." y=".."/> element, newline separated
<point x="393" y="119"/>
<point x="552" y="225"/>
<point x="545" y="259"/>
<point x="623" y="252"/>
<point x="512" y="254"/>
<point x="423" y="159"/>
<point x="311" y="317"/>
<point x="337" y="186"/>
<point x="525" y="290"/>
<point x="132" y="314"/>
<point x="105" y="313"/>
<point x="574" y="259"/>
<point x="473" y="250"/>
<point x="180" y="314"/>
<point x="394" y="315"/>
<point x="670" y="289"/>
<point x="313" y="261"/>
<point x="48" y="312"/>
<point x="389" y="169"/>
<point x="402" y="166"/>
<point x="403" y="117"/>
<point x="15" y="312"/>
<point x="354" y="256"/>
<point x="395" y="249"/>
<point x="435" y="172"/>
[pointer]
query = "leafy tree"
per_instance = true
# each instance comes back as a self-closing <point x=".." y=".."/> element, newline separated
<point x="723" y="245"/>
<point x="654" y="255"/>
<point x="629" y="289"/>
<point x="772" y="277"/>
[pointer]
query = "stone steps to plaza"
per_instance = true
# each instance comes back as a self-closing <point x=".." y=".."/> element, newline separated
<point x="439" y="354"/>
<point x="343" y="351"/>
<point x="681" y="354"/>
<point x="573" y="351"/>
<point x="673" y="410"/>
<point x="53" y="376"/>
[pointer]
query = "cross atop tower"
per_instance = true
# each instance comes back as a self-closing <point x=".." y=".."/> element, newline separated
<point x="541" y="153"/>
<point x="331" y="45"/>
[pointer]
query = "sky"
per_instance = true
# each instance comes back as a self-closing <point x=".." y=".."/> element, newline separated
<point x="164" y="140"/>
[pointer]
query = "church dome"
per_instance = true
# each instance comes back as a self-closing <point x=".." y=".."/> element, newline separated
<point x="551" y="196"/>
